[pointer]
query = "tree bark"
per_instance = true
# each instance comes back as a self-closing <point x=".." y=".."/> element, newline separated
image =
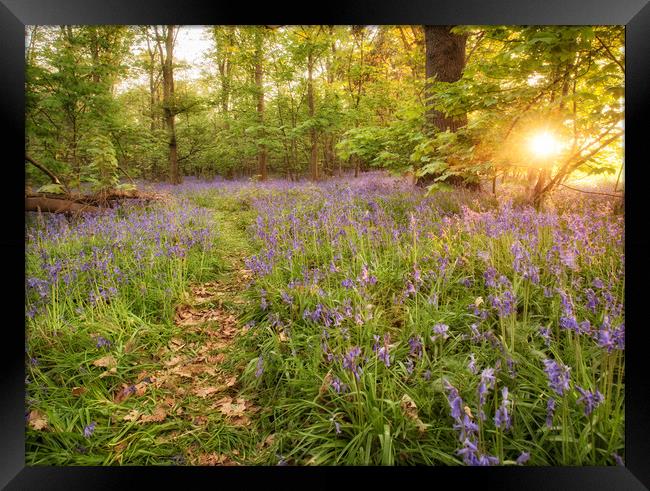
<point x="445" y="62"/>
<point x="259" y="85"/>
<point x="51" y="205"/>
<point x="313" y="159"/>
<point x="168" y="96"/>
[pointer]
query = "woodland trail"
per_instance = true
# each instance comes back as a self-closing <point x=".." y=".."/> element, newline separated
<point x="197" y="378"/>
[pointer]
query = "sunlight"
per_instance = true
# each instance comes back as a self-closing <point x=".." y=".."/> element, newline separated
<point x="544" y="144"/>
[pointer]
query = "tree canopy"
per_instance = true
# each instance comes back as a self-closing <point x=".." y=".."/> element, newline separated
<point x="317" y="101"/>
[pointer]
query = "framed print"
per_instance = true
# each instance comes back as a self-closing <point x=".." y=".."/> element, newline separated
<point x="343" y="243"/>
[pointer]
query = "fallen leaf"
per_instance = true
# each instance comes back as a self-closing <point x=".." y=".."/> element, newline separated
<point x="37" y="420"/>
<point x="132" y="416"/>
<point x="106" y="361"/>
<point x="77" y="391"/>
<point x="205" y="391"/>
<point x="158" y="416"/>
<point x="468" y="411"/>
<point x="183" y="372"/>
<point x="129" y="346"/>
<point x="326" y="383"/>
<point x="174" y="361"/>
<point x="215" y="360"/>
<point x="123" y="394"/>
<point x="411" y="410"/>
<point x="120" y="447"/>
<point x="215" y="459"/>
<point x="176" y="344"/>
<point x="108" y="372"/>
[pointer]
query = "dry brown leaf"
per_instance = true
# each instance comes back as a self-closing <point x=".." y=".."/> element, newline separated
<point x="468" y="411"/>
<point x="411" y="411"/>
<point x="326" y="383"/>
<point x="206" y="391"/>
<point x="77" y="391"/>
<point x="216" y="359"/>
<point x="158" y="416"/>
<point x="123" y="394"/>
<point x="108" y="372"/>
<point x="176" y="344"/>
<point x="183" y="372"/>
<point x="215" y="459"/>
<point x="268" y="441"/>
<point x="120" y="447"/>
<point x="174" y="361"/>
<point x="107" y="361"/>
<point x="129" y="346"/>
<point x="133" y="415"/>
<point x="37" y="420"/>
<point x="283" y="337"/>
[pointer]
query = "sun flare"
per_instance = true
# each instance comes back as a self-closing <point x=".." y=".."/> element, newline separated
<point x="544" y="144"/>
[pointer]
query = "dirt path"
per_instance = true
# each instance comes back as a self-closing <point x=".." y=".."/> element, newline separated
<point x="197" y="380"/>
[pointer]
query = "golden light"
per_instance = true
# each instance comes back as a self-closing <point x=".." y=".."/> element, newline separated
<point x="544" y="144"/>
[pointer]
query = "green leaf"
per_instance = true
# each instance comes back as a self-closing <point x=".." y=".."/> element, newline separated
<point x="51" y="188"/>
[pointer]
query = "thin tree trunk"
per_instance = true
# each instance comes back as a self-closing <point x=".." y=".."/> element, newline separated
<point x="259" y="85"/>
<point x="313" y="160"/>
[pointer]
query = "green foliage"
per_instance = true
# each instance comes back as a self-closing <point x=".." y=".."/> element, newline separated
<point x="51" y="188"/>
<point x="102" y="167"/>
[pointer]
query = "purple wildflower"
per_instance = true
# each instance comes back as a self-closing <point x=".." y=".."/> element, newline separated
<point x="545" y="332"/>
<point x="350" y="361"/>
<point x="103" y="342"/>
<point x="415" y="347"/>
<point x="502" y="418"/>
<point x="260" y="366"/>
<point x="558" y="376"/>
<point x="455" y="401"/>
<point x="591" y="400"/>
<point x="472" y="364"/>
<point x="90" y="429"/>
<point x="523" y="458"/>
<point x="550" y="411"/>
<point x="440" y="331"/>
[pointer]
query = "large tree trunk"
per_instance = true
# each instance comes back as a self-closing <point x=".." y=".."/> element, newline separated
<point x="168" y="96"/>
<point x="445" y="61"/>
<point x="313" y="159"/>
<point x="259" y="85"/>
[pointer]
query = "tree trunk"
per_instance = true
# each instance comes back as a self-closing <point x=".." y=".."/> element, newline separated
<point x="259" y="85"/>
<point x="168" y="96"/>
<point x="445" y="61"/>
<point x="313" y="160"/>
<point x="538" y="197"/>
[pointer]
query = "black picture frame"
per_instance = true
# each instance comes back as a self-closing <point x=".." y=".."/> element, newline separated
<point x="15" y="14"/>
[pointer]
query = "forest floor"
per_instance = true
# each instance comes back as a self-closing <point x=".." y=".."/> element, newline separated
<point x="198" y="376"/>
<point x="277" y="323"/>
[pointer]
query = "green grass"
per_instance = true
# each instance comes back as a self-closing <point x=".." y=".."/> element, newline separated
<point x="299" y="410"/>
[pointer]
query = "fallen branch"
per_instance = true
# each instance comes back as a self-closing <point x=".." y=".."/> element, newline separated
<point x="592" y="192"/>
<point x="44" y="169"/>
<point x="51" y="205"/>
